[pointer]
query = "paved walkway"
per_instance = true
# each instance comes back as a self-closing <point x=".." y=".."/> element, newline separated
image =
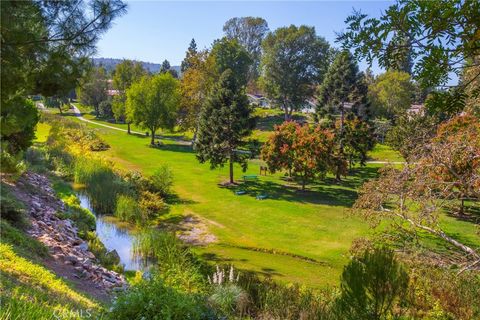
<point x="79" y="116"/>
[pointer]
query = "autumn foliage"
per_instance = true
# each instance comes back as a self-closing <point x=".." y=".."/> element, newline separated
<point x="304" y="151"/>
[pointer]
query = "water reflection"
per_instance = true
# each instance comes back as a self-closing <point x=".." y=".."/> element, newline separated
<point x="114" y="237"/>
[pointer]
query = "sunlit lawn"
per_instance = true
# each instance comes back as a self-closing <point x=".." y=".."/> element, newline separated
<point x="294" y="236"/>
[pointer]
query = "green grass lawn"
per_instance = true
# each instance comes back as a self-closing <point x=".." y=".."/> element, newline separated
<point x="382" y="152"/>
<point x="293" y="236"/>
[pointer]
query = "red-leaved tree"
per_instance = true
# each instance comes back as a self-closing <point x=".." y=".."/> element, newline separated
<point x="303" y="151"/>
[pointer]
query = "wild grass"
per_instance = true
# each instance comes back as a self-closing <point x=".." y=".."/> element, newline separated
<point x="29" y="291"/>
<point x="102" y="185"/>
<point x="178" y="267"/>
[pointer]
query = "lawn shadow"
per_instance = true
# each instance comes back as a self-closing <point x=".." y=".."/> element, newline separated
<point x="175" y="148"/>
<point x="213" y="257"/>
<point x="175" y="199"/>
<point x="267" y="123"/>
<point x="316" y="194"/>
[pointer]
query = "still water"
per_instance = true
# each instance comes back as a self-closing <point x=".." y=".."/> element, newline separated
<point x="114" y="237"/>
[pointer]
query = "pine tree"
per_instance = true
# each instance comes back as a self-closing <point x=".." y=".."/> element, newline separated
<point x="191" y="52"/>
<point x="224" y="121"/>
<point x="165" y="66"/>
<point x="336" y="90"/>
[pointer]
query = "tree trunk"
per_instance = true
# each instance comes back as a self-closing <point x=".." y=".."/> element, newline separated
<point x="194" y="139"/>
<point x="152" y="140"/>
<point x="287" y="114"/>
<point x="231" y="168"/>
<point x="337" y="174"/>
<point x="128" y="127"/>
<point x="303" y="182"/>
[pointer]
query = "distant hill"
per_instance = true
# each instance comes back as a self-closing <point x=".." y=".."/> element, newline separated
<point x="110" y="63"/>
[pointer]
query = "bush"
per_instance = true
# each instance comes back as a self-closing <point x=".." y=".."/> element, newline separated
<point x="154" y="299"/>
<point x="227" y="297"/>
<point x="83" y="219"/>
<point x="151" y="205"/>
<point x="371" y="285"/>
<point x="128" y="210"/>
<point x="12" y="209"/>
<point x="273" y="300"/>
<point x="162" y="180"/>
<point x="443" y="294"/>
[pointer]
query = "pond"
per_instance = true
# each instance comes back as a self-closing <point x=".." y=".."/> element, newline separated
<point x="114" y="237"/>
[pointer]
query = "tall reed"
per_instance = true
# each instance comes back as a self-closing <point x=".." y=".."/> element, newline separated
<point x="102" y="185"/>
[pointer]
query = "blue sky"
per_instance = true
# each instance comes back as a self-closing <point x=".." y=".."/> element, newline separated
<point x="156" y="30"/>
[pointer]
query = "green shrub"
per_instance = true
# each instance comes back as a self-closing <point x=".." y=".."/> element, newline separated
<point x="154" y="299"/>
<point x="371" y="285"/>
<point x="229" y="299"/>
<point x="272" y="300"/>
<point x="162" y="180"/>
<point x="11" y="209"/>
<point x="443" y="294"/>
<point x="128" y="210"/>
<point x="151" y="205"/>
<point x="83" y="219"/>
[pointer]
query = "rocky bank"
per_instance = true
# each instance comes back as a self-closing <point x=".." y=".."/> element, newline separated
<point x="70" y="255"/>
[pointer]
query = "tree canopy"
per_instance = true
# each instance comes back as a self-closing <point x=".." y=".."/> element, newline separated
<point x="43" y="49"/>
<point x="229" y="54"/>
<point x="294" y="61"/>
<point x="249" y="32"/>
<point x="152" y="102"/>
<point x="439" y="36"/>
<point x="391" y="94"/>
<point x="125" y="74"/>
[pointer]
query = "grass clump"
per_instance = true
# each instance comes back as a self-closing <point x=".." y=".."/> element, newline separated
<point x="11" y="209"/>
<point x="25" y="245"/>
<point x="127" y="209"/>
<point x="102" y="185"/>
<point x="179" y="267"/>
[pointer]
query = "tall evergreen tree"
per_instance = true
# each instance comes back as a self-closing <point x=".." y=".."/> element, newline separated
<point x="165" y="66"/>
<point x="339" y="83"/>
<point x="336" y="90"/>
<point x="225" y="120"/>
<point x="189" y="55"/>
